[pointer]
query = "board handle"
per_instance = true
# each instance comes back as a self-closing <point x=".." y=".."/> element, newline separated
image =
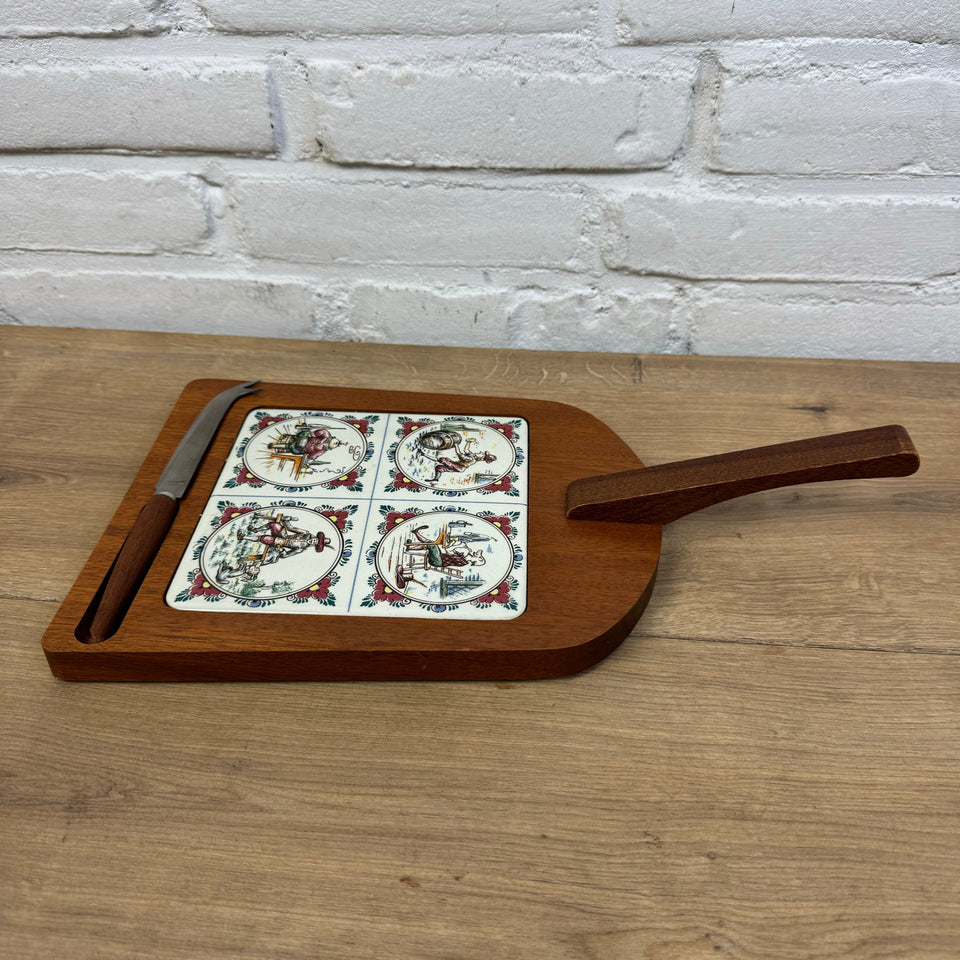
<point x="664" y="493"/>
<point x="131" y="565"/>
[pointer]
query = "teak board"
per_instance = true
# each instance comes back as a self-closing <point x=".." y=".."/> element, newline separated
<point x="587" y="582"/>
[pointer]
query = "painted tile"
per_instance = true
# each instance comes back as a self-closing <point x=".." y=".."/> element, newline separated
<point x="435" y="455"/>
<point x="459" y="562"/>
<point x="314" y="452"/>
<point x="278" y="556"/>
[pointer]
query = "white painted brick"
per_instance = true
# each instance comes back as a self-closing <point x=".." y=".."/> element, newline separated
<point x="843" y="320"/>
<point x="310" y="221"/>
<point x="643" y="319"/>
<point x="486" y="116"/>
<point x="751" y="237"/>
<point x="639" y="321"/>
<point x="41" y="18"/>
<point x="398" y="16"/>
<point x="394" y="313"/>
<point x="845" y="125"/>
<point x="659" y="21"/>
<point x="238" y="305"/>
<point x="150" y="105"/>
<point x="118" y="212"/>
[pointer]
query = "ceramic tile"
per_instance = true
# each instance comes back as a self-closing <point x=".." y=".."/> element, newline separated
<point x="460" y="562"/>
<point x="277" y="556"/>
<point x="308" y="452"/>
<point x="433" y="456"/>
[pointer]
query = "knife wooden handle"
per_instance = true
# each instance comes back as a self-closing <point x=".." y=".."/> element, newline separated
<point x="131" y="565"/>
<point x="663" y="493"/>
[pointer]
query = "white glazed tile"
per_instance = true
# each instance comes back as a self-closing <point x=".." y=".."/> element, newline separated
<point x="436" y="456"/>
<point x="461" y="562"/>
<point x="312" y="453"/>
<point x="270" y="556"/>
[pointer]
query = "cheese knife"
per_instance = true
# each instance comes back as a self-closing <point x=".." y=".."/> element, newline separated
<point x="157" y="516"/>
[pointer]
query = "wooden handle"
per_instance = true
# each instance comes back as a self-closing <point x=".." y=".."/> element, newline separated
<point x="661" y="494"/>
<point x="131" y="565"/>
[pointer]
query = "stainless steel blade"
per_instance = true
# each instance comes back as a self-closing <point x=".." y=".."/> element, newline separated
<point x="186" y="458"/>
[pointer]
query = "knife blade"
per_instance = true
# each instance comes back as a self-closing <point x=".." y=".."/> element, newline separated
<point x="156" y="518"/>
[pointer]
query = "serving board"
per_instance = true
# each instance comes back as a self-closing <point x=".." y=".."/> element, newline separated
<point x="334" y="533"/>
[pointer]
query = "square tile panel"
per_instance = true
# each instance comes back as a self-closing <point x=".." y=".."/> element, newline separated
<point x="366" y="514"/>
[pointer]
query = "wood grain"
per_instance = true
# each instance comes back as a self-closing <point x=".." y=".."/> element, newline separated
<point x="777" y="802"/>
<point x="132" y="562"/>
<point x="664" y="493"/>
<point x="780" y="784"/>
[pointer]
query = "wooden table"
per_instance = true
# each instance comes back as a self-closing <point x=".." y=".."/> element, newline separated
<point x="769" y="767"/>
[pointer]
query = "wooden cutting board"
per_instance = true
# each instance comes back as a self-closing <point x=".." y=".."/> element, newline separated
<point x="461" y="572"/>
<point x="332" y="533"/>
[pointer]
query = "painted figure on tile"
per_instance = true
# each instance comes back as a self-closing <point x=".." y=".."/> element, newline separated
<point x="443" y="558"/>
<point x="279" y="540"/>
<point x="451" y="451"/>
<point x="445" y="551"/>
<point x="278" y="533"/>
<point x="453" y="455"/>
<point x="313" y="443"/>
<point x="304" y="448"/>
<point x="404" y="577"/>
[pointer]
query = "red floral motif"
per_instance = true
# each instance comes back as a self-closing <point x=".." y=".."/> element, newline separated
<point x="505" y="428"/>
<point x="347" y="480"/>
<point x="400" y="482"/>
<point x="361" y="425"/>
<point x="412" y="425"/>
<point x="500" y="485"/>
<point x="383" y="592"/>
<point x="500" y="595"/>
<point x="502" y="522"/>
<point x="201" y="587"/>
<point x="339" y="517"/>
<point x="318" y="591"/>
<point x="265" y="422"/>
<point x="394" y="518"/>
<point x="232" y="512"/>
<point x="244" y="476"/>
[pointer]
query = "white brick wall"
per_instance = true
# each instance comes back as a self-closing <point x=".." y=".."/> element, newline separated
<point x="636" y="175"/>
<point x="777" y="319"/>
<point x="658" y="21"/>
<point x="313" y="19"/>
<point x="376" y="222"/>
<point x="907" y="124"/>
<point x="84" y="18"/>
<point x="493" y="117"/>
<point x="149" y="106"/>
<point x="120" y="212"/>
<point x="640" y="319"/>
<point x="387" y="313"/>
<point x="177" y="302"/>
<point x="786" y="236"/>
